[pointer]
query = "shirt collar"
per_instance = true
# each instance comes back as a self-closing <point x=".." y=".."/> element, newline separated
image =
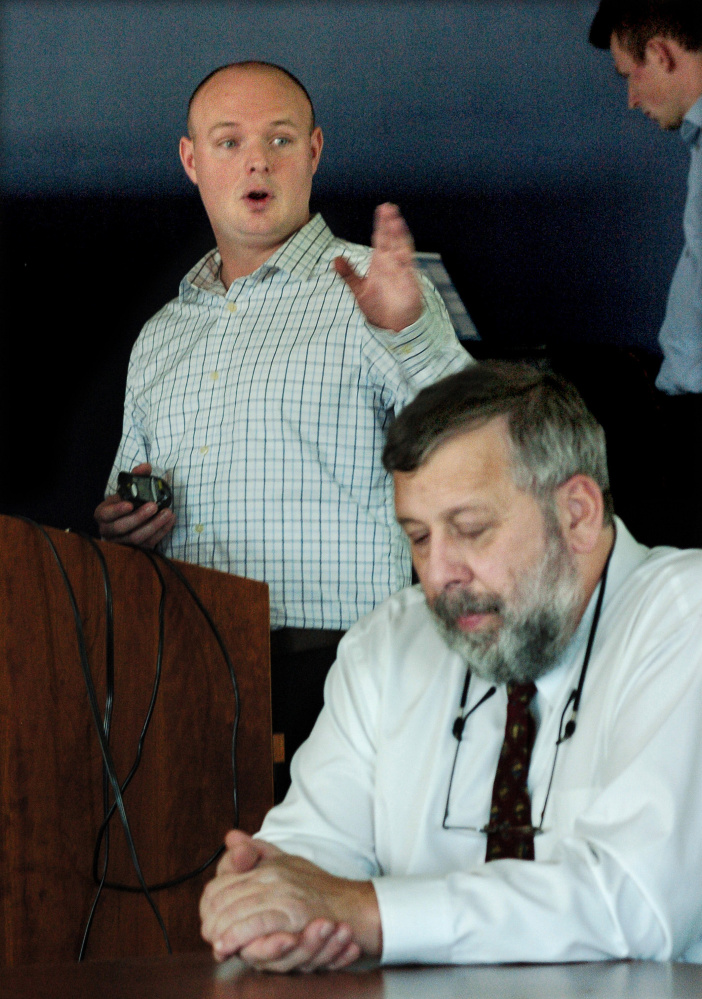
<point x="300" y="254"/>
<point x="627" y="555"/>
<point x="204" y="276"/>
<point x="692" y="124"/>
<point x="297" y="257"/>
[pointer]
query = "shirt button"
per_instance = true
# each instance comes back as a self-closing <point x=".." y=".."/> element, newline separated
<point x="199" y="528"/>
<point x="231" y="306"/>
<point x="204" y="449"/>
<point x="214" y="375"/>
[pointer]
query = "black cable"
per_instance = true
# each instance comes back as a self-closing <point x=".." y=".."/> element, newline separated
<point x="104" y="828"/>
<point x="104" y="746"/>
<point x="180" y="879"/>
<point x="174" y="882"/>
<point x="230" y="667"/>
<point x="103" y="729"/>
<point x="106" y="724"/>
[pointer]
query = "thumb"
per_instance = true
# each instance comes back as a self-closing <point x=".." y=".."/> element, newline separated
<point x="348" y="272"/>
<point x="143" y="469"/>
<point x="243" y="853"/>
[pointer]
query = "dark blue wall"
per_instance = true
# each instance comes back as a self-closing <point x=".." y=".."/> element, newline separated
<point x="502" y="134"/>
<point x="498" y="102"/>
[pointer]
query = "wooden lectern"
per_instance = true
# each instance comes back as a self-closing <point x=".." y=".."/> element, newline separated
<point x="180" y="801"/>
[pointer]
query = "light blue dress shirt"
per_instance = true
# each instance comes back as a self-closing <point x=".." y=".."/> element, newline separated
<point x="681" y="333"/>
<point x="267" y="404"/>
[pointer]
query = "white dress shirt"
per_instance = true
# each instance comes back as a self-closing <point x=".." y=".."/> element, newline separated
<point x="618" y="868"/>
<point x="267" y="404"/>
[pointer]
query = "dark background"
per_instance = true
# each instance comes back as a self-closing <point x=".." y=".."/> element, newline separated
<point x="502" y="135"/>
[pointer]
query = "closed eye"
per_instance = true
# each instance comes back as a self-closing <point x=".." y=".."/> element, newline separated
<point x="470" y="532"/>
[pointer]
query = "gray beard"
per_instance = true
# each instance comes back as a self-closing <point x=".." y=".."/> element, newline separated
<point x="535" y="624"/>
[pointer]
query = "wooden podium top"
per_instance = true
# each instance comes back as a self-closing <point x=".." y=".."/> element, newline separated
<point x="196" y="976"/>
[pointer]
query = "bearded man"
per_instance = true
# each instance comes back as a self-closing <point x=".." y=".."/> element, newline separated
<point x="508" y="766"/>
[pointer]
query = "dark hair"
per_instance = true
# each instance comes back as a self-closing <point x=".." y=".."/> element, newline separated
<point x="249" y="64"/>
<point x="636" y="22"/>
<point x="553" y="435"/>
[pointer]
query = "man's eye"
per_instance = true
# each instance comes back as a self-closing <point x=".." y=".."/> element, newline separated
<point x="281" y="140"/>
<point x="228" y="143"/>
<point x="472" y="533"/>
<point x="418" y="539"/>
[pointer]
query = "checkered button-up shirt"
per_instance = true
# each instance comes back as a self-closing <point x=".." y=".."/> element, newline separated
<point x="267" y="404"/>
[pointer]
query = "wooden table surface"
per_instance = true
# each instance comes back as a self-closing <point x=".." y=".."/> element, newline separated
<point x="196" y="976"/>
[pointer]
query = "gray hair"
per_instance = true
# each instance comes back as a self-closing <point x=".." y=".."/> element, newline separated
<point x="552" y="433"/>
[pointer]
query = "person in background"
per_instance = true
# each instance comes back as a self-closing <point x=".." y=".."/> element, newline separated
<point x="657" y="49"/>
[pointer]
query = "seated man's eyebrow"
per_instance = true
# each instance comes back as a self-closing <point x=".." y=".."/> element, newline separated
<point x="406" y="522"/>
<point x="476" y="507"/>
<point x="485" y="513"/>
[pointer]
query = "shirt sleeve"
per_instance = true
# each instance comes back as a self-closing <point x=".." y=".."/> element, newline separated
<point x="134" y="446"/>
<point x="327" y="815"/>
<point x="622" y="882"/>
<point x="417" y="356"/>
<point x="680" y="335"/>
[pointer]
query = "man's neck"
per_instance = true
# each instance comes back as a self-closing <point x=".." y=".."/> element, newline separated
<point x="240" y="261"/>
<point x="593" y="567"/>
<point x="243" y="263"/>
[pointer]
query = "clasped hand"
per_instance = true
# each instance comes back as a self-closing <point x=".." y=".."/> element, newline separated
<point x="278" y="912"/>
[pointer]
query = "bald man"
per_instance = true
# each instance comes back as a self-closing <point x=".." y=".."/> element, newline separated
<point x="265" y="389"/>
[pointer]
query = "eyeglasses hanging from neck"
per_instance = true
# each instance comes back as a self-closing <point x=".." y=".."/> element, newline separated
<point x="566" y="730"/>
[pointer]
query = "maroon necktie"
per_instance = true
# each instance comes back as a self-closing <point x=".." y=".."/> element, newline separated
<point x="510" y="833"/>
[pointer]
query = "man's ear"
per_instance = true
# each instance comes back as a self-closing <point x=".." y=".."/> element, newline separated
<point x="581" y="513"/>
<point x="187" y="158"/>
<point x="662" y="52"/>
<point x="316" y="143"/>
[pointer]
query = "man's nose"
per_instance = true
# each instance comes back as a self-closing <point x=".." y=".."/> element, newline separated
<point x="257" y="158"/>
<point x="446" y="565"/>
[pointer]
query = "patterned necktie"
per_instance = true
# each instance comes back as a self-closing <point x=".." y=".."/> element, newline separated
<point x="510" y="832"/>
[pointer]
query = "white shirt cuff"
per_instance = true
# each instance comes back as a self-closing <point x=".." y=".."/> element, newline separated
<point x="416" y="922"/>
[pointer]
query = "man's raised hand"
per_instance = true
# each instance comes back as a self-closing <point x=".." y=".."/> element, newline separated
<point x="390" y="295"/>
